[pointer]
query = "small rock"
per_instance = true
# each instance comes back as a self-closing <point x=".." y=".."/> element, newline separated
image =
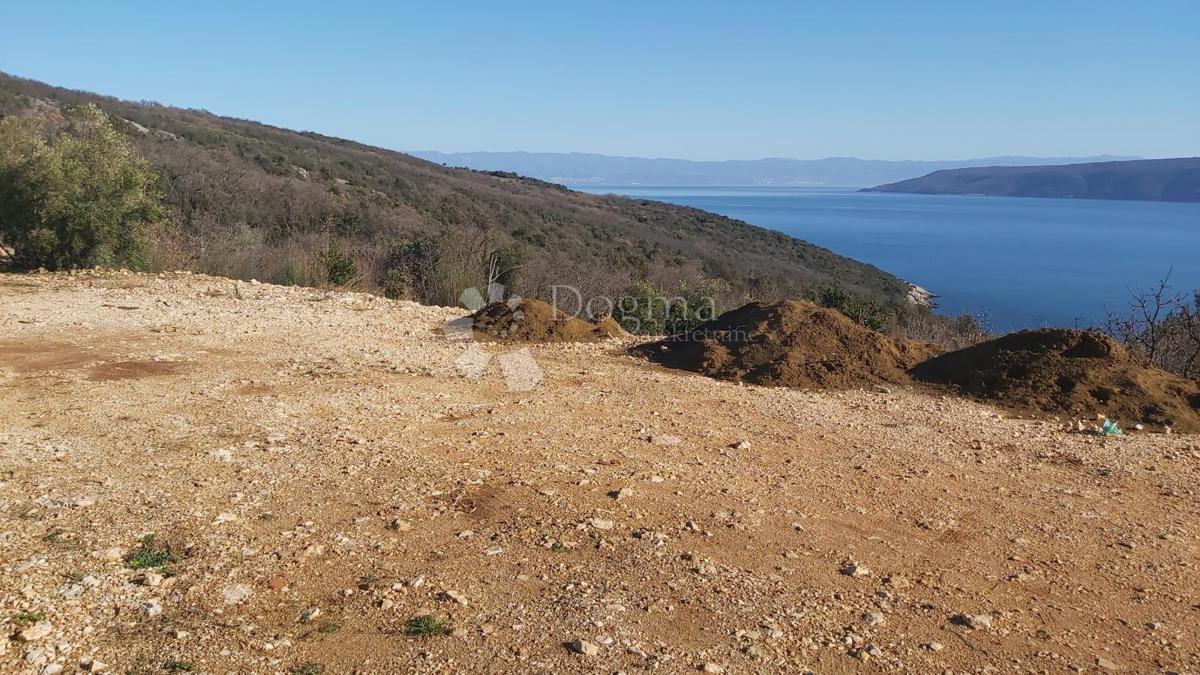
<point x="711" y="667"/>
<point x="235" y="593"/>
<point x="152" y="608"/>
<point x="601" y="523"/>
<point x="973" y="621"/>
<point x="1104" y="664"/>
<point x="278" y="583"/>
<point x="35" y="632"/>
<point x="309" y="613"/>
<point x="455" y="596"/>
<point x="665" y="439"/>
<point x="873" y="618"/>
<point x="152" y="579"/>
<point x="740" y="445"/>
<point x="854" y="569"/>
<point x="623" y="493"/>
<point x="935" y="646"/>
<point x="583" y="647"/>
<point x="93" y="665"/>
<point x="111" y="554"/>
<point x="400" y="525"/>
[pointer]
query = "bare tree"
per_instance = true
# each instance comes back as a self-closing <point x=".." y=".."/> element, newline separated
<point x="1162" y="326"/>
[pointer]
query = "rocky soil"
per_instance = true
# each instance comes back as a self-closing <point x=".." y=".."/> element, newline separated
<point x="328" y="493"/>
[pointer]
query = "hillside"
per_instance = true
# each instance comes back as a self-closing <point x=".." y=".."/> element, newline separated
<point x="581" y="168"/>
<point x="318" y="475"/>
<point x="1176" y="180"/>
<point x="255" y="201"/>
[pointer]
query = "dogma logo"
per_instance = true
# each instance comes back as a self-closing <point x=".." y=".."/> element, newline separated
<point x="521" y="372"/>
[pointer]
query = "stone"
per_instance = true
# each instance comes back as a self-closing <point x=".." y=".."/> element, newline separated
<point x="855" y="569"/>
<point x="400" y="525"/>
<point x="1104" y="664"/>
<point x="935" y="646"/>
<point x="93" y="665"/>
<point x="309" y="613"/>
<point x="111" y="554"/>
<point x="740" y="445"/>
<point x="665" y="439"/>
<point x="235" y="593"/>
<point x="278" y="583"/>
<point x="601" y="523"/>
<point x="711" y="667"/>
<point x="873" y="618"/>
<point x="583" y="647"/>
<point x="36" y="632"/>
<point x="973" y="621"/>
<point x="623" y="493"/>
<point x="152" y="608"/>
<point x="455" y="596"/>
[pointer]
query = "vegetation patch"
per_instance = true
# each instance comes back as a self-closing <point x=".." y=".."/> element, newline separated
<point x="150" y="554"/>
<point x="426" y="625"/>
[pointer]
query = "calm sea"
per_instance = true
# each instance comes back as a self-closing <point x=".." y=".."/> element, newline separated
<point x="1021" y="262"/>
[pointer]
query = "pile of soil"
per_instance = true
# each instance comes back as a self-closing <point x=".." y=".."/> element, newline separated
<point x="791" y="343"/>
<point x="531" y="320"/>
<point x="1081" y="373"/>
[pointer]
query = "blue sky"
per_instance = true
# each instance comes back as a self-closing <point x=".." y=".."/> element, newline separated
<point x="698" y="80"/>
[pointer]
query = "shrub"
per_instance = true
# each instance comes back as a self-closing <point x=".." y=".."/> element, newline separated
<point x="426" y="625"/>
<point x="649" y="310"/>
<point x="1163" y="326"/>
<point x="340" y="269"/>
<point x="80" y="199"/>
<point x="863" y="310"/>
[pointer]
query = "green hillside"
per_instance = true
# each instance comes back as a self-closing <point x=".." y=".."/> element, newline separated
<point x="249" y="200"/>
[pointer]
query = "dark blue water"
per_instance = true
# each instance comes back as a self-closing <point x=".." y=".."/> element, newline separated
<point x="1021" y="262"/>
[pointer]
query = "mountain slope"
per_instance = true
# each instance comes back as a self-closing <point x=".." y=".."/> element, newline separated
<point x="1148" y="179"/>
<point x="258" y="201"/>
<point x="578" y="168"/>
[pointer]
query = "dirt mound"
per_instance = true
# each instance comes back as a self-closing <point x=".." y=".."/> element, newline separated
<point x="1077" y="372"/>
<point x="536" y="321"/>
<point x="791" y="343"/>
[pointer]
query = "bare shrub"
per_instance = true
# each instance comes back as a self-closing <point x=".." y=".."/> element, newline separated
<point x="1163" y="326"/>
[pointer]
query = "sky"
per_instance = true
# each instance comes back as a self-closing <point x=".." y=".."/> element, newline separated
<point x="693" y="80"/>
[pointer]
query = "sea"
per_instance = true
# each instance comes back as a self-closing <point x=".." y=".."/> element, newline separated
<point x="1016" y="262"/>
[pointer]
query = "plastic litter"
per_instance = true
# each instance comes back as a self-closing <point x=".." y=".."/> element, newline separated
<point x="1111" y="428"/>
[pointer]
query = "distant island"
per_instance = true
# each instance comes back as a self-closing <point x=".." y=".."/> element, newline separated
<point x="584" y="169"/>
<point x="1171" y="180"/>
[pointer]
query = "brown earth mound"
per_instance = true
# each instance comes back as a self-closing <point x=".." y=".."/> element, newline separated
<point x="791" y="343"/>
<point x="536" y="321"/>
<point x="1081" y="373"/>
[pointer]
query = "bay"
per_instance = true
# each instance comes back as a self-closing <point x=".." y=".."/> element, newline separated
<point x="1019" y="262"/>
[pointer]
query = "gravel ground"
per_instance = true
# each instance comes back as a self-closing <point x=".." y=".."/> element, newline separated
<point x="316" y="473"/>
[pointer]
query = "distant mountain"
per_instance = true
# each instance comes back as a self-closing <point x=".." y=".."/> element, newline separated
<point x="1172" y="180"/>
<point x="578" y="168"/>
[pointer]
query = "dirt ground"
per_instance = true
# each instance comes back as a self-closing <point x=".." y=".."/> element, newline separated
<point x="319" y="473"/>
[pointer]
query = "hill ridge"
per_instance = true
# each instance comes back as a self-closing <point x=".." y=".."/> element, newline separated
<point x="1173" y="179"/>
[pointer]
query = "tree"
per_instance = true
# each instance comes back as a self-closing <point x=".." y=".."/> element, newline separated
<point x="75" y="196"/>
<point x="1163" y="326"/>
